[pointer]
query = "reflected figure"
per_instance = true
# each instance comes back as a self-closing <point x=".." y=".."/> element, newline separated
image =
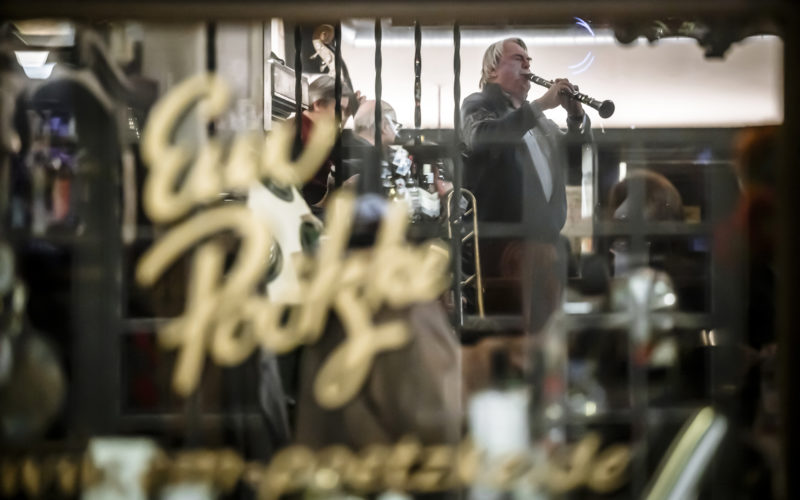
<point x="745" y="241"/>
<point x="412" y="390"/>
<point x="662" y="200"/>
<point x="744" y="246"/>
<point x="651" y="197"/>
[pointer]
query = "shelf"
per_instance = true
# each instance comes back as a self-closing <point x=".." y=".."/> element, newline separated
<point x="479" y="327"/>
<point x="601" y="229"/>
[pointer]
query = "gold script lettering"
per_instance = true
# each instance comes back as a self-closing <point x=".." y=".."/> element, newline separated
<point x="225" y="315"/>
<point x="405" y="466"/>
<point x="399" y="463"/>
<point x="290" y="471"/>
<point x="364" y="472"/>
<point x="436" y="471"/>
<point x="608" y="473"/>
<point x="248" y="162"/>
<point x="207" y="299"/>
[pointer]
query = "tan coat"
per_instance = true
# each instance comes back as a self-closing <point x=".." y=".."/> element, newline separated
<point x="415" y="390"/>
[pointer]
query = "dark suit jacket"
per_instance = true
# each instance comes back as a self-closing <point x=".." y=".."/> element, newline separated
<point x="496" y="157"/>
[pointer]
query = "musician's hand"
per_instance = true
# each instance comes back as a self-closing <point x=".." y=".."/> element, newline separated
<point x="361" y="99"/>
<point x="555" y="94"/>
<point x="572" y="106"/>
<point x="558" y="95"/>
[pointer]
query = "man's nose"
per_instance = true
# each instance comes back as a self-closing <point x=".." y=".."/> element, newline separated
<point x="526" y="64"/>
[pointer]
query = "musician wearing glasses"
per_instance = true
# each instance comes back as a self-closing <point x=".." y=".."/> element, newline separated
<point x="515" y="164"/>
<point x="364" y="123"/>
<point x="359" y="144"/>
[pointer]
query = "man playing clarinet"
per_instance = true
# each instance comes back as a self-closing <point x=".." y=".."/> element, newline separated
<point x="515" y="164"/>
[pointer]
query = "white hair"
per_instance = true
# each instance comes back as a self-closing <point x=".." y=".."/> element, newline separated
<point x="323" y="88"/>
<point x="364" y="121"/>
<point x="491" y="58"/>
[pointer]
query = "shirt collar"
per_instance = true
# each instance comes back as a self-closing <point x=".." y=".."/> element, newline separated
<point x="497" y="92"/>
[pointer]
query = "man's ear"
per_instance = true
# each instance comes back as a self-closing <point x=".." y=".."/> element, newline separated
<point x="321" y="105"/>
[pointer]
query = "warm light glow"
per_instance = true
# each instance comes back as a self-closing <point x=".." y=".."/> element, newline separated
<point x="587" y="245"/>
